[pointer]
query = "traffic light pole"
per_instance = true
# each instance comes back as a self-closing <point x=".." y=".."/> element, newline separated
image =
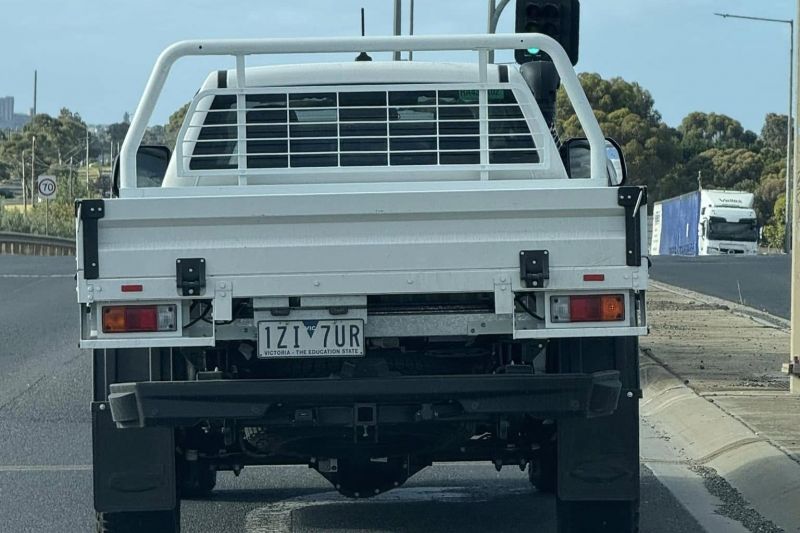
<point x="398" y="23"/>
<point x="495" y="10"/>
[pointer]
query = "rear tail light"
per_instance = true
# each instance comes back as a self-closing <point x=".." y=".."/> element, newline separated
<point x="588" y="308"/>
<point x="139" y="318"/>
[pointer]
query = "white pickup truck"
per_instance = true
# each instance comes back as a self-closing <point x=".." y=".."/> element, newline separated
<point x="365" y="267"/>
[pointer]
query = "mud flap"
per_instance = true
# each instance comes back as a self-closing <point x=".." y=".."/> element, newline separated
<point x="134" y="469"/>
<point x="598" y="458"/>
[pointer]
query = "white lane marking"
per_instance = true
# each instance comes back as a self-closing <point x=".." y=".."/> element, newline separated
<point x="36" y="276"/>
<point x="45" y="468"/>
<point x="277" y="517"/>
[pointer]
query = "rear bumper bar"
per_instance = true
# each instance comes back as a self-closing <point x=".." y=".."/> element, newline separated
<point x="336" y="402"/>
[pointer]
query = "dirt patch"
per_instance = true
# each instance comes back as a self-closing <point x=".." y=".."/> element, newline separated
<point x="764" y="381"/>
<point x="667" y="305"/>
<point x="713" y="348"/>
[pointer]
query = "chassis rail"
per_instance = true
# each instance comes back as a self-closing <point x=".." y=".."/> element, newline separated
<point x="336" y="402"/>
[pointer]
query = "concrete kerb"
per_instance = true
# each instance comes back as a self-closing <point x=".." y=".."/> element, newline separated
<point x="708" y="436"/>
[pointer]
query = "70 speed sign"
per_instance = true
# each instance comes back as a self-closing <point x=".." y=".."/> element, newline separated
<point x="46" y="186"/>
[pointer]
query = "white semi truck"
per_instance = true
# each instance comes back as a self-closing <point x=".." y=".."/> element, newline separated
<point x="365" y="267"/>
<point x="705" y="222"/>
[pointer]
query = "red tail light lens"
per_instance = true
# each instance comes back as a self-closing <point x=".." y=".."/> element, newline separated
<point x="588" y="308"/>
<point x="139" y="318"/>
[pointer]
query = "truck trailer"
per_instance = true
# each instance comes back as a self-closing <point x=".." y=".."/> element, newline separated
<point x="705" y="222"/>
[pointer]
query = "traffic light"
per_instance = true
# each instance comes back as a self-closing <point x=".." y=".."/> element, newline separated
<point x="560" y="19"/>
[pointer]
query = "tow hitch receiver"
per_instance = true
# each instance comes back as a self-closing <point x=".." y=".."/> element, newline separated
<point x="365" y="423"/>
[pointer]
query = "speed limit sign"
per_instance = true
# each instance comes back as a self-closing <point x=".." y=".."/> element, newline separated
<point x="46" y="185"/>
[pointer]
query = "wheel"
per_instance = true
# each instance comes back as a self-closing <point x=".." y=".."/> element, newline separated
<point x="138" y="522"/>
<point x="195" y="479"/>
<point x="543" y="471"/>
<point x="597" y="516"/>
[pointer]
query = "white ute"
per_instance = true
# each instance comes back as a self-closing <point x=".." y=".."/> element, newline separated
<point x="365" y="267"/>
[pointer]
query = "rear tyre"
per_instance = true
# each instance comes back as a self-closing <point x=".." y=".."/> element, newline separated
<point x="543" y="471"/>
<point x="195" y="479"/>
<point x="597" y="516"/>
<point x="140" y="521"/>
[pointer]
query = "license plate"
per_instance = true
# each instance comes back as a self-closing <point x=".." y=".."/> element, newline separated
<point x="310" y="338"/>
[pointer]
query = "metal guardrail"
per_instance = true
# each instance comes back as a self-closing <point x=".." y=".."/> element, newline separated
<point x="29" y="244"/>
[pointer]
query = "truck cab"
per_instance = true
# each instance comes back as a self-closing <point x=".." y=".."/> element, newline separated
<point x="728" y="223"/>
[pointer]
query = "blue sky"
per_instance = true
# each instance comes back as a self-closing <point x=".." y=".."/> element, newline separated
<point x="94" y="56"/>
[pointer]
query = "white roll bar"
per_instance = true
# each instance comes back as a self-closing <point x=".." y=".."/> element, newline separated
<point x="239" y="48"/>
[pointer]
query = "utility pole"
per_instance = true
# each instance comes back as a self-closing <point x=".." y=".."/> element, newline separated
<point x="794" y="339"/>
<point x="398" y="23"/>
<point x="33" y="163"/>
<point x="35" y="88"/>
<point x="411" y="28"/>
<point x="789" y="211"/>
<point x="111" y="172"/>
<point x="24" y="185"/>
<point x="71" y="195"/>
<point x="87" y="162"/>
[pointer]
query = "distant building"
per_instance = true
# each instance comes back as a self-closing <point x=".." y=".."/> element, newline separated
<point x="6" y="109"/>
<point x="8" y="119"/>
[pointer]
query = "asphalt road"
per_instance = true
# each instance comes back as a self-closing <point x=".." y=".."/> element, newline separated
<point x="760" y="281"/>
<point x="45" y="451"/>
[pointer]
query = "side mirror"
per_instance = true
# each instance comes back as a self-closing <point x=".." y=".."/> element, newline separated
<point x="151" y="165"/>
<point x="576" y="155"/>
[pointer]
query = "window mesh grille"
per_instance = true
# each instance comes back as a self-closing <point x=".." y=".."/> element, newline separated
<point x="360" y="128"/>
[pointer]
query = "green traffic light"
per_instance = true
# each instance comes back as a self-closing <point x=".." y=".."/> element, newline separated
<point x="533" y="51"/>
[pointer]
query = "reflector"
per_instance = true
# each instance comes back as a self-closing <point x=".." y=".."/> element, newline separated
<point x="594" y="277"/>
<point x="132" y="288"/>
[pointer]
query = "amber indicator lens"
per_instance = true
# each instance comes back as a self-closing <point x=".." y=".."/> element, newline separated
<point x="113" y="319"/>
